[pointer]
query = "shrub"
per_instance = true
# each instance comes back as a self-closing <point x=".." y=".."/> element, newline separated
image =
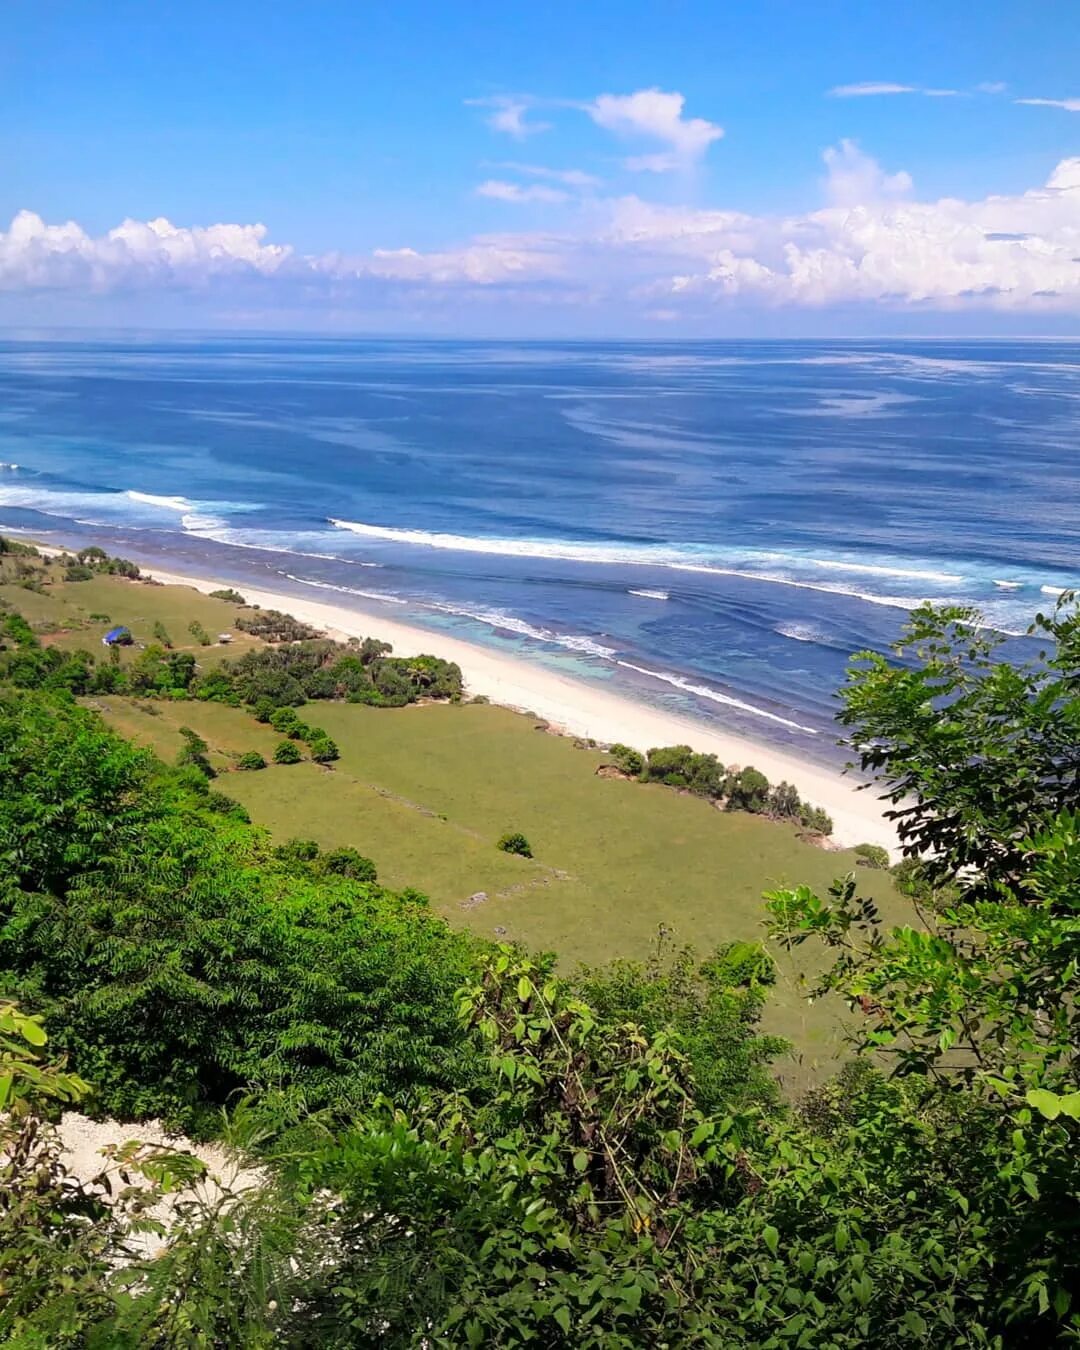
<point x="323" y="749"/>
<point x="784" y="801"/>
<point x="251" y="760"/>
<point x="273" y="626"/>
<point x="77" y="572"/>
<point x="264" y="709"/>
<point x="92" y="555"/>
<point x="193" y="753"/>
<point x="873" y="855"/>
<point x="297" y="851"/>
<point x="349" y="862"/>
<point x="283" y="720"/>
<point x="628" y="760"/>
<point x="514" y="842"/>
<point x="199" y="633"/>
<point x="233" y="597"/>
<point x="160" y="635"/>
<point x="747" y="790"/>
<point x="286" y="752"/>
<point x="226" y="806"/>
<point x="817" y="820"/>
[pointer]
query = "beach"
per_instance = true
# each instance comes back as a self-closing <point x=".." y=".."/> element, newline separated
<point x="578" y="709"/>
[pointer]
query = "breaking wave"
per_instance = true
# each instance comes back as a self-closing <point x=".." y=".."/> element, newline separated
<point x="704" y="691"/>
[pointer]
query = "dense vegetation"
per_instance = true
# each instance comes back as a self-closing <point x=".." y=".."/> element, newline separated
<point x="461" y="1148"/>
<point x="739" y="789"/>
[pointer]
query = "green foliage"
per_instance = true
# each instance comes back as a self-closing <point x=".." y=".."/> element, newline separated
<point x="784" y="802"/>
<point x="748" y="790"/>
<point x="161" y="634"/>
<point x="199" y="633"/>
<point x="873" y="855"/>
<point x="348" y="862"/>
<point x="251" y="759"/>
<point x="514" y="842"/>
<point x="284" y="721"/>
<point x="679" y="766"/>
<point x="193" y="753"/>
<point x="714" y="1007"/>
<point x="287" y="752"/>
<point x="273" y="626"/>
<point x="323" y="749"/>
<point x="178" y="961"/>
<point x="816" y="819"/>
<point x="228" y="594"/>
<point x="628" y="760"/>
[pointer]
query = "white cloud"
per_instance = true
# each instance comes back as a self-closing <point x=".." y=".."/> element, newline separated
<point x="992" y="87"/>
<point x="855" y="177"/>
<point x="1066" y="104"/>
<point x="656" y="115"/>
<point x="33" y="253"/>
<point x="509" y="114"/>
<point x="514" y="192"/>
<point x="873" y="88"/>
<point x="576" y="178"/>
<point x="872" y="243"/>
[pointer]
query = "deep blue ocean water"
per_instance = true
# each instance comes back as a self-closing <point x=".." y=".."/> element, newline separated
<point x="712" y="526"/>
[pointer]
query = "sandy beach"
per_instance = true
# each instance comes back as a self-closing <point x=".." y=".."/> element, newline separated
<point x="579" y="709"/>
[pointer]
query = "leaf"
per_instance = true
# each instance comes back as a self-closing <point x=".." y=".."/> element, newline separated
<point x="581" y="1161"/>
<point x="33" y="1033"/>
<point x="562" y="1316"/>
<point x="1047" y="1103"/>
<point x="525" y="989"/>
<point x="1031" y="1185"/>
<point x="1070" y="1105"/>
<point x="771" y="1238"/>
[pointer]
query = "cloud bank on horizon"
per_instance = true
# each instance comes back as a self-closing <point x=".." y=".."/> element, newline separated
<point x="869" y="240"/>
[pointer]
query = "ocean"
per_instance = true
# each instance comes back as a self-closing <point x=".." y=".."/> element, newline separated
<point x="713" y="527"/>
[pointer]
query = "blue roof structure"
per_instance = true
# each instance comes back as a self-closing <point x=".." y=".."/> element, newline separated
<point x="115" y="634"/>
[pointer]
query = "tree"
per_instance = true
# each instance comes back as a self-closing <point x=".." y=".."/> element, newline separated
<point x="976" y="1004"/>
<point x="515" y="842"/>
<point x="748" y="790"/>
<point x="287" y="752"/>
<point x="784" y="801"/>
<point x="199" y="633"/>
<point x="161" y="634"/>
<point x="251" y="759"/>
<point x="815" y="819"/>
<point x="193" y="753"/>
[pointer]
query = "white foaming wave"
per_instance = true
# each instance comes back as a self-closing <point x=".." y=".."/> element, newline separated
<point x="5" y="465"/>
<point x="1056" y="591"/>
<point x="650" y="595"/>
<point x="801" y="632"/>
<point x="704" y="691"/>
<point x="497" y="618"/>
<point x="347" y="590"/>
<point x="1009" y="585"/>
<point x="873" y="569"/>
<point x="167" y="503"/>
<point x="636" y="555"/>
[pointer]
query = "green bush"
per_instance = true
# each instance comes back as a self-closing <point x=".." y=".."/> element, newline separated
<point x="323" y="749"/>
<point x="748" y="790"/>
<point x="515" y="842"/>
<point x="873" y="855"/>
<point x="287" y="752"/>
<point x="233" y="597"/>
<point x="283" y="720"/>
<point x="628" y="760"/>
<point x="816" y="820"/>
<point x="251" y="760"/>
<point x="348" y="862"/>
<point x="199" y="633"/>
<point x="160" y="634"/>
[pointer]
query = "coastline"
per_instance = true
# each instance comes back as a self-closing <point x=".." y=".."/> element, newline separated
<point x="577" y="709"/>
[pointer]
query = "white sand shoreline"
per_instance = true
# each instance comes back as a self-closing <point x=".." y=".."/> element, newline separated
<point x="579" y="709"/>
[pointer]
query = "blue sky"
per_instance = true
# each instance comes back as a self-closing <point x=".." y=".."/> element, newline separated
<point x="613" y="168"/>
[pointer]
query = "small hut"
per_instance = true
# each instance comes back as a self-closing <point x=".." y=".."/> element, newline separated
<point x="117" y="637"/>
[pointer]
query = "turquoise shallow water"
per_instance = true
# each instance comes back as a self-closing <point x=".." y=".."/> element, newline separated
<point x="715" y="526"/>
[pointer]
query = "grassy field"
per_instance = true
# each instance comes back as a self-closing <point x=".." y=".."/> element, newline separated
<point x="426" y="791"/>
